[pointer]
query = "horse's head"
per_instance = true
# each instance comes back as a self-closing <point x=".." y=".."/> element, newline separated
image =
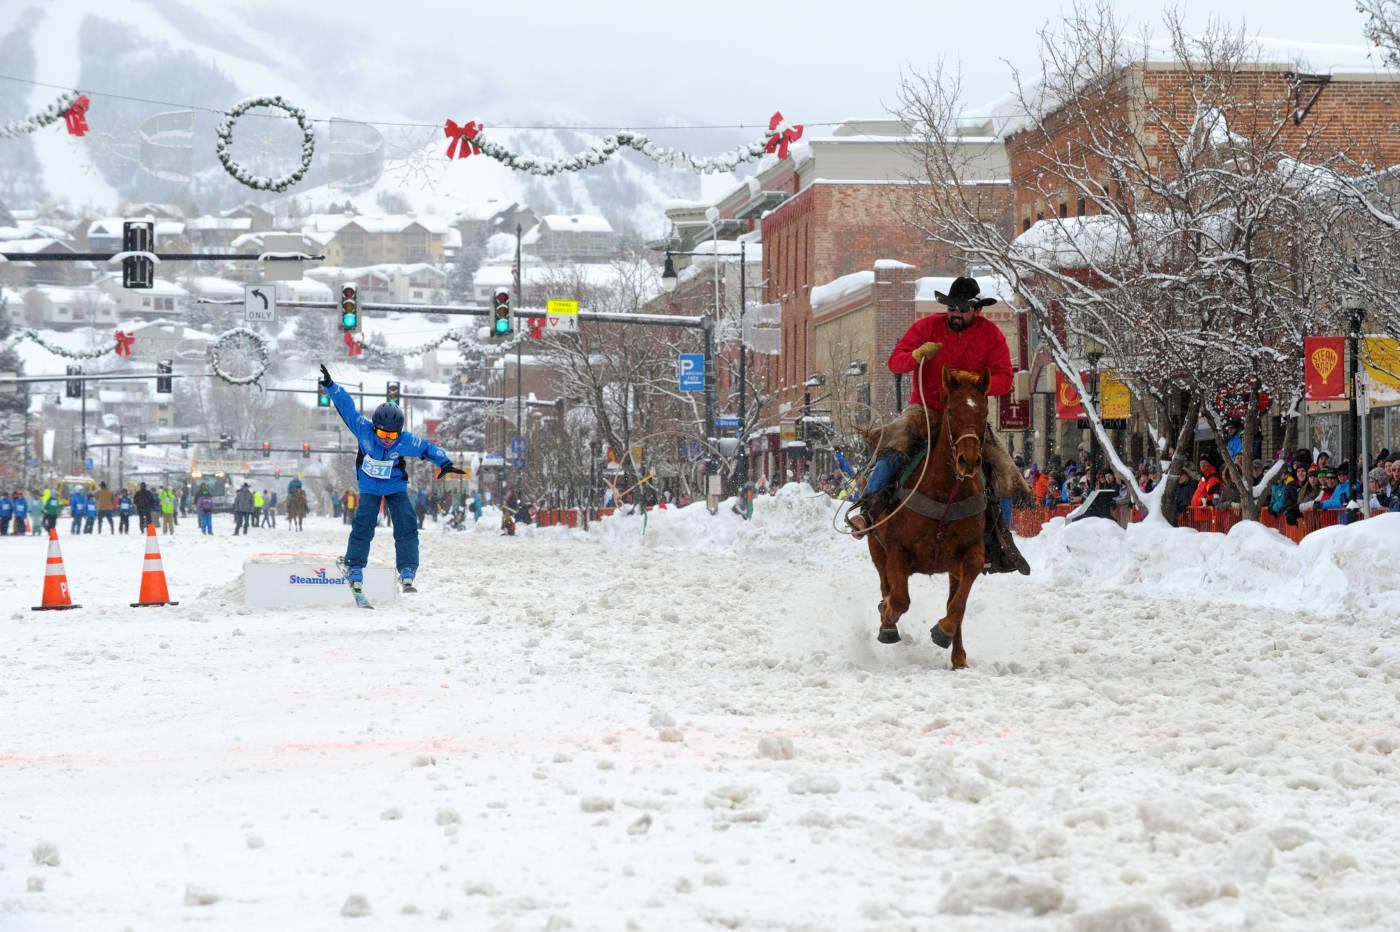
<point x="965" y="412"/>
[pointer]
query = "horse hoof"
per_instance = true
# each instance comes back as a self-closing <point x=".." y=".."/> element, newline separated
<point x="888" y="636"/>
<point x="939" y="637"/>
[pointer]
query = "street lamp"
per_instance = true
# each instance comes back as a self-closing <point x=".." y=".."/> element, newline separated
<point x="1093" y="351"/>
<point x="1351" y="303"/>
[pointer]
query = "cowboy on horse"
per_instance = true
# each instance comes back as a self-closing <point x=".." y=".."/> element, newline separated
<point x="960" y="339"/>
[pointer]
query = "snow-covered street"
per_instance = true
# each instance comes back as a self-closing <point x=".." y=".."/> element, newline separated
<point x="693" y="726"/>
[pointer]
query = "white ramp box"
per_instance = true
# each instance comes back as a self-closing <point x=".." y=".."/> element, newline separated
<point x="293" y="580"/>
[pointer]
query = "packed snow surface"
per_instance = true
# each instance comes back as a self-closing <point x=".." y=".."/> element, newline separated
<point x="689" y="724"/>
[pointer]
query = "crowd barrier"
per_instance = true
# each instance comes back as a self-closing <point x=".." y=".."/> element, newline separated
<point x="1027" y="522"/>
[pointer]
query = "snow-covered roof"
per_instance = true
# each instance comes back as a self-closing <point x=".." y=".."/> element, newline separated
<point x="38" y="244"/>
<point x="62" y="295"/>
<point x="207" y="222"/>
<point x="990" y="286"/>
<point x="112" y="226"/>
<point x="391" y="223"/>
<point x="208" y="286"/>
<point x="576" y="223"/>
<point x="841" y="288"/>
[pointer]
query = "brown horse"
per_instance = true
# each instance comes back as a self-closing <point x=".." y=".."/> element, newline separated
<point x="938" y="525"/>
<point x="296" y="508"/>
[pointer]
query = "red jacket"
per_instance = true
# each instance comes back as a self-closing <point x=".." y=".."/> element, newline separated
<point x="981" y="346"/>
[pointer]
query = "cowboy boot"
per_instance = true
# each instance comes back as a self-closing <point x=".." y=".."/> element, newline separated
<point x="1002" y="555"/>
<point x="865" y="512"/>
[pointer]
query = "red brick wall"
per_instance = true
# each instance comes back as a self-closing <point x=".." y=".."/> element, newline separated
<point x="834" y="229"/>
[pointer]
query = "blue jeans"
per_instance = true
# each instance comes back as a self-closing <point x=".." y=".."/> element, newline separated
<point x="889" y="463"/>
<point x="206" y="523"/>
<point x="400" y="509"/>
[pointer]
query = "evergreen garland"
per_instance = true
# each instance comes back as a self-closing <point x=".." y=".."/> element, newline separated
<point x="50" y="114"/>
<point x="260" y="182"/>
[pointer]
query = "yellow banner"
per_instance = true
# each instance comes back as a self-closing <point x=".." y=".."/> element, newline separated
<point x="1115" y="401"/>
<point x="1382" y="360"/>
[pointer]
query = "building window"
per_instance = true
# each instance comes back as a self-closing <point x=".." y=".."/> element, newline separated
<point x="1026" y="224"/>
<point x="1064" y="210"/>
<point x="1079" y="206"/>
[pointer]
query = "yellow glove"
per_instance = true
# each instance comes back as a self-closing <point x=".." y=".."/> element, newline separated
<point x="927" y="351"/>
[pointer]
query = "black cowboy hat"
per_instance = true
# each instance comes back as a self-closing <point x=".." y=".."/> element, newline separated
<point x="963" y="295"/>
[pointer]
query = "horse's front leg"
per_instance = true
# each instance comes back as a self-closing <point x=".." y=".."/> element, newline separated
<point x="948" y="631"/>
<point x="894" y="582"/>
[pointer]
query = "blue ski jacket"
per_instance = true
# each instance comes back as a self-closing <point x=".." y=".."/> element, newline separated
<point x="380" y="469"/>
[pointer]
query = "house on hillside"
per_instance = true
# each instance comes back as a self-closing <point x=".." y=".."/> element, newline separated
<point x="357" y="240"/>
<point x="163" y="299"/>
<point x="571" y="238"/>
<point x="60" y="308"/>
<point x="105" y="234"/>
<point x="20" y="272"/>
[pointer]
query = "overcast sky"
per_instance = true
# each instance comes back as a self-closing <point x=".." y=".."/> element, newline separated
<point x="728" y="61"/>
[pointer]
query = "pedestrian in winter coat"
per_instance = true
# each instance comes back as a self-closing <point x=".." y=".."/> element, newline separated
<point x="124" y="512"/>
<point x="167" y="511"/>
<point x="21" y="506"/>
<point x="51" y="509"/>
<point x="77" y="509"/>
<point x="7" y="511"/>
<point x="145" y="503"/>
<point x="269" y="515"/>
<point x="381" y="471"/>
<point x="205" y="506"/>
<point x="242" y="510"/>
<point x="105" y="503"/>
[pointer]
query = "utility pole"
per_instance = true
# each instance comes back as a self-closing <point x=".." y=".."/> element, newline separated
<point x="741" y="464"/>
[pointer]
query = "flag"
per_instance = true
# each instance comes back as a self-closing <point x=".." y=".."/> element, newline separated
<point x="1068" y="406"/>
<point x="1324" y="375"/>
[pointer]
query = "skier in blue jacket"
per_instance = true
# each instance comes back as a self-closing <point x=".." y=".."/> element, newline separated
<point x="382" y="474"/>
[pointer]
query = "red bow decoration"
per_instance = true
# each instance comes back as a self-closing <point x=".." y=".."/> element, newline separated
<point x="782" y="135"/>
<point x="124" y="341"/>
<point x="462" y="135"/>
<point x="537" y="328"/>
<point x="76" y="116"/>
<point x="355" y="348"/>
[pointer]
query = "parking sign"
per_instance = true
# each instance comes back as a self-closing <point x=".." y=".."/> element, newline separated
<point x="692" y="372"/>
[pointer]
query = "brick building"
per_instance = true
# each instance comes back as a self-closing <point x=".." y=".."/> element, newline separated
<point x="1343" y="120"/>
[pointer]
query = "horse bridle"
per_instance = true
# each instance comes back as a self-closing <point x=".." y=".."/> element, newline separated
<point x="953" y="444"/>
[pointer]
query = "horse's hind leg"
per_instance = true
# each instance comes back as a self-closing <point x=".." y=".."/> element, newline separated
<point x="894" y="577"/>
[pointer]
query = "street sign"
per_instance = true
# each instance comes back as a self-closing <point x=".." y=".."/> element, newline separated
<point x="492" y="459"/>
<point x="692" y="372"/>
<point x="518" y="462"/>
<point x="726" y="422"/>
<point x="561" y="316"/>
<point x="517" y="446"/>
<point x="88" y="463"/>
<point x="259" y="303"/>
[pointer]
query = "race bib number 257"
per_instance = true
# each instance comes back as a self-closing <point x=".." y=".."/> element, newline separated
<point x="377" y="469"/>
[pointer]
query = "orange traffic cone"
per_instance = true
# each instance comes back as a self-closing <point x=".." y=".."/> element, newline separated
<point x="153" y="591"/>
<point x="56" y="597"/>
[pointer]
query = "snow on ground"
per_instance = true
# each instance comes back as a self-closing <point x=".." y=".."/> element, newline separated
<point x="692" y="726"/>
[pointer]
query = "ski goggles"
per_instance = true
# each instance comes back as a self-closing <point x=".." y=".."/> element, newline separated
<point x="386" y="434"/>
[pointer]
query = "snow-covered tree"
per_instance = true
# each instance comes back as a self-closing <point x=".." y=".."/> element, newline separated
<point x="1171" y="220"/>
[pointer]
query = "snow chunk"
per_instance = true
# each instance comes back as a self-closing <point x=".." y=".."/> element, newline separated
<point x="45" y="854"/>
<point x="816" y="783"/>
<point x="1005" y="892"/>
<point x="196" y="895"/>
<point x="776" y="747"/>
<point x="595" y="804"/>
<point x="355" y="906"/>
<point x="1126" y="917"/>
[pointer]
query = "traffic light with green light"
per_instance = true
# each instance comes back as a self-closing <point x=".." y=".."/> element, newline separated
<point x="501" y="323"/>
<point x="349" y="308"/>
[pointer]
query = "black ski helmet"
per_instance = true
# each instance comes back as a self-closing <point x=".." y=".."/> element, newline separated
<point x="388" y="416"/>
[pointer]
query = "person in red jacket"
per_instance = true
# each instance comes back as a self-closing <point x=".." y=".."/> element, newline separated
<point x="1210" y="485"/>
<point x="960" y="338"/>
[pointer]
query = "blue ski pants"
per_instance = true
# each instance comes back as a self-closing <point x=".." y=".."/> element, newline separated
<point x="400" y="509"/>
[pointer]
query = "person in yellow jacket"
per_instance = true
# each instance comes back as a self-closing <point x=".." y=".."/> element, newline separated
<point x="167" y="511"/>
<point x="258" y="502"/>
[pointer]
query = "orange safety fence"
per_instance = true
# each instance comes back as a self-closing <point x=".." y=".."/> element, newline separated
<point x="1027" y="522"/>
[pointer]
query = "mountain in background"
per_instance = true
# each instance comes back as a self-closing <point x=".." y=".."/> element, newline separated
<point x="167" y="56"/>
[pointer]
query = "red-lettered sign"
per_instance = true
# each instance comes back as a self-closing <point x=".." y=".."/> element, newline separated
<point x="1013" y="415"/>
<point x="1324" y="375"/>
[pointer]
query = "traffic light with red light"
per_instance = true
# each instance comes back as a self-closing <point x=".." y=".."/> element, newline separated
<point x="306" y="451"/>
<point x="501" y="320"/>
<point x="267" y="450"/>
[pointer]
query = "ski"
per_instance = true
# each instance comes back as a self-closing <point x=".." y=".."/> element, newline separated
<point x="355" y="591"/>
